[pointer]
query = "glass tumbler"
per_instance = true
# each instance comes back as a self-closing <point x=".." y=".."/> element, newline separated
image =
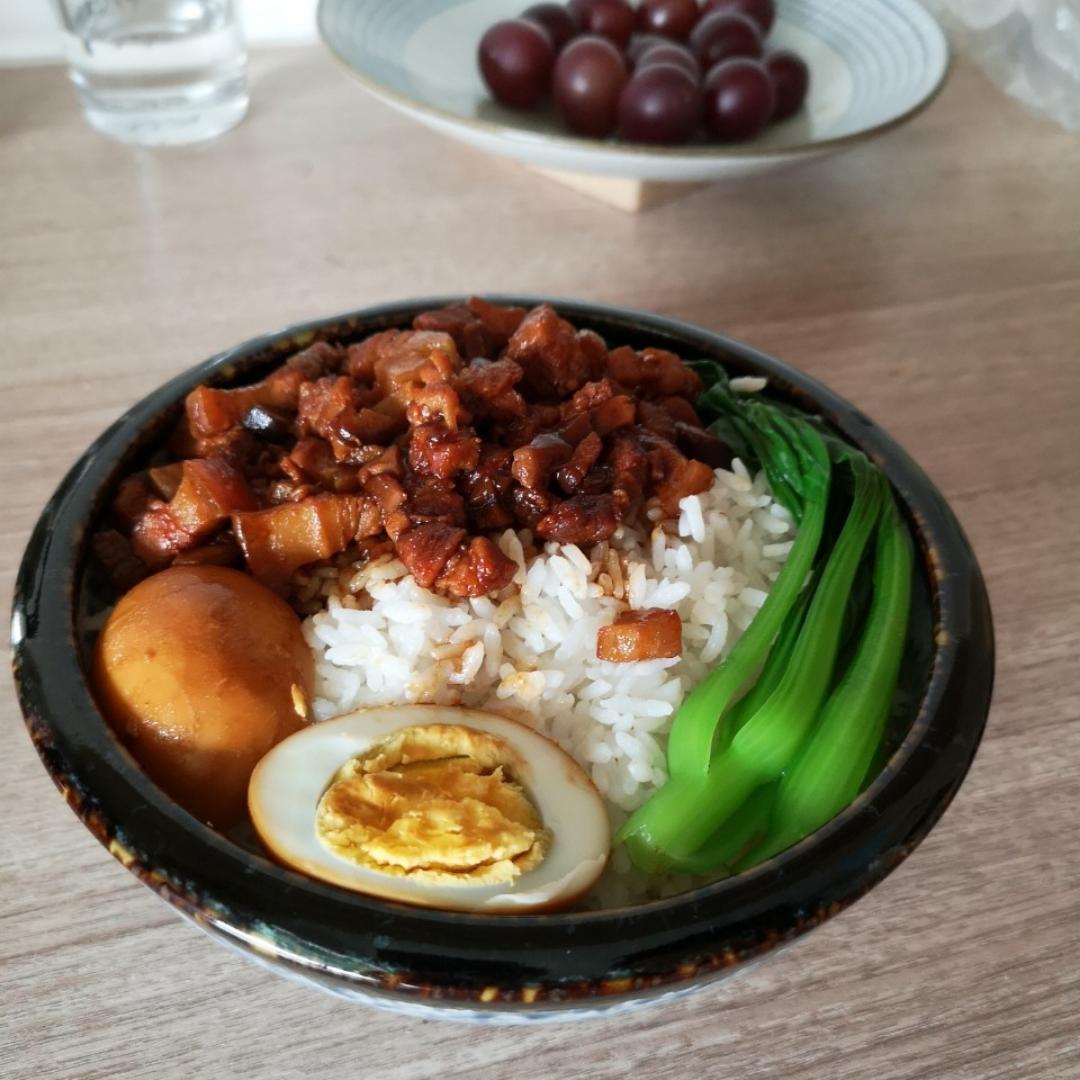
<point x="156" y="72"/>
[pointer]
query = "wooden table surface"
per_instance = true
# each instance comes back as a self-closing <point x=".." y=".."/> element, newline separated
<point x="932" y="277"/>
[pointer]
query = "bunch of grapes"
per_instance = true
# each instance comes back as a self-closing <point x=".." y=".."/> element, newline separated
<point x="658" y="73"/>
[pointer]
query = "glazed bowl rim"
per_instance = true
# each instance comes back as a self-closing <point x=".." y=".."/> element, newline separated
<point x="78" y="755"/>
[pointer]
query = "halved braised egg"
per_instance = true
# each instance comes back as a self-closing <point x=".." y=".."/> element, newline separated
<point x="433" y="805"/>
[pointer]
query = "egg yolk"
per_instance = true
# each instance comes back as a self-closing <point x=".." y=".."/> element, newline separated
<point x="436" y="803"/>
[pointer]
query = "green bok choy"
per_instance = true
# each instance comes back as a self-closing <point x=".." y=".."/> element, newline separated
<point x="776" y="740"/>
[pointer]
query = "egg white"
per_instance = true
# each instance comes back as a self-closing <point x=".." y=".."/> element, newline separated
<point x="287" y="784"/>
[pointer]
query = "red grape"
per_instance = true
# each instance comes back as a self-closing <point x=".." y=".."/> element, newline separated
<point x="790" y="78"/>
<point x="579" y="11"/>
<point x="670" y="53"/>
<point x="661" y="104"/>
<point x="720" y="37"/>
<point x="640" y="44"/>
<point x="739" y="99"/>
<point x="763" y="12"/>
<point x="589" y="77"/>
<point x="556" y="20"/>
<point x="613" y="19"/>
<point x="515" y="59"/>
<point x="672" y="18"/>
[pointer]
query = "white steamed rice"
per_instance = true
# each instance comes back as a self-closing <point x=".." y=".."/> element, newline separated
<point x="530" y="651"/>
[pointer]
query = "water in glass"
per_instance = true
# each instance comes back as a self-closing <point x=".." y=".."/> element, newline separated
<point x="157" y="72"/>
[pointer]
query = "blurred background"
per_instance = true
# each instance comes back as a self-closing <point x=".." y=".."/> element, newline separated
<point x="1030" y="48"/>
<point x="29" y="29"/>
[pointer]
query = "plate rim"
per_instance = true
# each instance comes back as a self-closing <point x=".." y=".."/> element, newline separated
<point x="507" y="134"/>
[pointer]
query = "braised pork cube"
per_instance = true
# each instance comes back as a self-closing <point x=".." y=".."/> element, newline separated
<point x="389" y="461"/>
<point x="211" y="411"/>
<point x="399" y="362"/>
<point x="279" y="541"/>
<point x="591" y="394"/>
<point x="360" y="357"/>
<point x="607" y="407"/>
<point x="534" y="464"/>
<point x="653" y="373"/>
<point x="436" y="451"/>
<point x="537" y="420"/>
<point x="237" y="445"/>
<point x="531" y="505"/>
<point x="487" y="489"/>
<point x="487" y="389"/>
<point x="436" y="402"/>
<point x="594" y="350"/>
<point x="673" y="476"/>
<point x="576" y="428"/>
<point x="688" y="477"/>
<point x="682" y="411"/>
<point x="462" y="325"/>
<point x="321" y="402"/>
<point x="371" y="427"/>
<point x="613" y="414"/>
<point x="675" y="420"/>
<point x="651" y="634"/>
<point x="581" y="461"/>
<point x="476" y="570"/>
<point x="657" y="419"/>
<point x="629" y="463"/>
<point x="701" y="445"/>
<point x="308" y="460"/>
<point x="551" y="353"/>
<point x="499" y="322"/>
<point x="157" y="538"/>
<point x="583" y="519"/>
<point x="414" y="357"/>
<point x="479" y="328"/>
<point x="426" y="549"/>
<point x="210" y="490"/>
<point x="435" y="500"/>
<point x="387" y="490"/>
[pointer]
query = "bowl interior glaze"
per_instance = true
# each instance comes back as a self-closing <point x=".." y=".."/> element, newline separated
<point x="475" y="966"/>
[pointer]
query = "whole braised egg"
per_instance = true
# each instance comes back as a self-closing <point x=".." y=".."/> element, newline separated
<point x="200" y="670"/>
<point x="436" y="806"/>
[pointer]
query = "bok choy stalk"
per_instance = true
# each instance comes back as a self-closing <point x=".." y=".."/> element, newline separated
<point x="796" y="460"/>
<point x="734" y="842"/>
<point x="832" y="768"/>
<point x="748" y="827"/>
<point x="689" y="810"/>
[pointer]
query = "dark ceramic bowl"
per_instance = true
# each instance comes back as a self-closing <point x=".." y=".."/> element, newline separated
<point x="476" y="967"/>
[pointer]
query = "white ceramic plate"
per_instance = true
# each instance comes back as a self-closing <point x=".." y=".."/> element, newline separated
<point x="873" y="63"/>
